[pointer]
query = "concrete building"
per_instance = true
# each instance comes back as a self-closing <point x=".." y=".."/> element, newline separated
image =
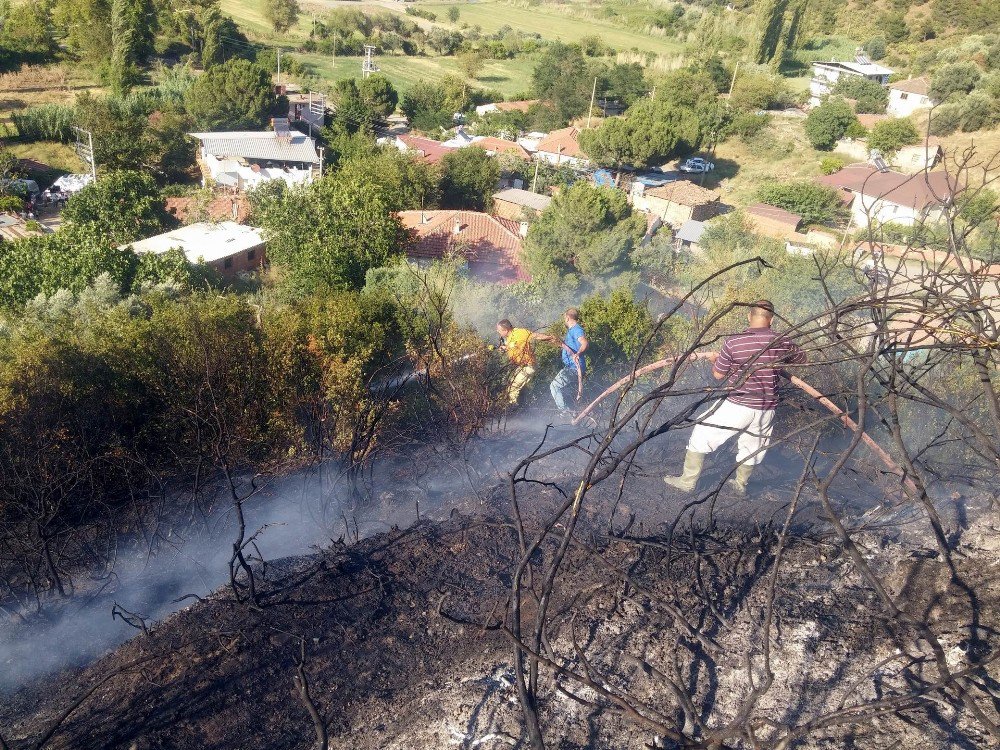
<point x="918" y="156"/>
<point x="826" y="74"/>
<point x="226" y="247"/>
<point x="676" y="202"/>
<point x="490" y="246"/>
<point x="519" y="106"/>
<point x="247" y="159"/>
<point x="891" y="197"/>
<point x="909" y="96"/>
<point x="515" y="204"/>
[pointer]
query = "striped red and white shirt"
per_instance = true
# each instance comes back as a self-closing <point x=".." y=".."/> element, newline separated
<point x="751" y="361"/>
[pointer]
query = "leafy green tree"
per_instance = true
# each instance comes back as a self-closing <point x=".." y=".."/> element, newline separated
<point x="875" y="47"/>
<point x="954" y="80"/>
<point x="978" y="112"/>
<point x="327" y="235"/>
<point x="502" y="124"/>
<point x="378" y="93"/>
<point x="770" y="27"/>
<point x="586" y="229"/>
<point x="222" y="39"/>
<point x="627" y="83"/>
<point x="283" y="14"/>
<point x="946" y="119"/>
<point x="827" y="123"/>
<point x="86" y="25"/>
<point x="133" y="26"/>
<point x="872" y="97"/>
<point x="564" y="79"/>
<point x="888" y="136"/>
<point x="426" y="107"/>
<point x="121" y="207"/>
<point x="363" y="103"/>
<point x="893" y="27"/>
<point x="406" y="183"/>
<point x="468" y="179"/>
<point x="444" y="42"/>
<point x="618" y="325"/>
<point x="453" y="14"/>
<point x="651" y="131"/>
<point x="471" y="63"/>
<point x="816" y="204"/>
<point x="235" y="95"/>
<point x="756" y="90"/>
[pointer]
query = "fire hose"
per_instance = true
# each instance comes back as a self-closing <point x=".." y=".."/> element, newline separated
<point x="802" y="385"/>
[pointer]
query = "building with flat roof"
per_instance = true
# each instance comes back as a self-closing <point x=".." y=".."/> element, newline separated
<point x="514" y="203"/>
<point x="246" y="159"/>
<point x="826" y="74"/>
<point x="227" y="247"/>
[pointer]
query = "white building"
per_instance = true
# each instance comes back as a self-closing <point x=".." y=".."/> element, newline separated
<point x="906" y="97"/>
<point x="228" y="247"/>
<point x="891" y="197"/>
<point x="826" y="75"/>
<point x="247" y="159"/>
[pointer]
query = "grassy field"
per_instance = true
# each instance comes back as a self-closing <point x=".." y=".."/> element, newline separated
<point x="510" y="77"/>
<point x="563" y="22"/>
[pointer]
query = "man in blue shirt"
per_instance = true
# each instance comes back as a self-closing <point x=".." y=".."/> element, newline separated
<point x="574" y="362"/>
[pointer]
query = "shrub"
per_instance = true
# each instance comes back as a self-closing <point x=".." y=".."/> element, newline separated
<point x="977" y="111"/>
<point x="889" y="136"/>
<point x="875" y="47"/>
<point x="957" y="78"/>
<point x="856" y="130"/>
<point x="816" y="204"/>
<point x="946" y="119"/>
<point x="871" y="96"/>
<point x="830" y="164"/>
<point x="828" y="123"/>
<point x="48" y="122"/>
<point x="748" y="124"/>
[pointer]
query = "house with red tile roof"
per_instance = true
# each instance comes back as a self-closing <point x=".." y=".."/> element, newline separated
<point x="491" y="246"/>
<point x="676" y="202"/>
<point x="891" y="197"/>
<point x="429" y="150"/>
<point x="562" y="147"/>
<point x="494" y="146"/>
<point x="519" y="106"/>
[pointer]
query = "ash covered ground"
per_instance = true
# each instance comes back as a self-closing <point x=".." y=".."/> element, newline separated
<point x="401" y="636"/>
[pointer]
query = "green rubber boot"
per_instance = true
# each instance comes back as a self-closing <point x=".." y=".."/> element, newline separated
<point x="742" y="478"/>
<point x="692" y="470"/>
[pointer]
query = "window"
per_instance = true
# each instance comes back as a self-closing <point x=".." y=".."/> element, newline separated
<point x="903" y="95"/>
<point x="228" y="263"/>
<point x="251" y="254"/>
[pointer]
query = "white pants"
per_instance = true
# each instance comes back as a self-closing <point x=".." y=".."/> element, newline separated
<point x="723" y="419"/>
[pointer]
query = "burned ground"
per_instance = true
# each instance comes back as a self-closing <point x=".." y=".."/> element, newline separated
<point x="403" y="648"/>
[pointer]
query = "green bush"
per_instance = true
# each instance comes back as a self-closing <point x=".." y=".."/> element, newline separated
<point x="48" y="122"/>
<point x="890" y="135"/>
<point x="828" y="123"/>
<point x="977" y="112"/>
<point x="816" y="204"/>
<point x="946" y="119"/>
<point x="830" y="164"/>
<point x="748" y="124"/>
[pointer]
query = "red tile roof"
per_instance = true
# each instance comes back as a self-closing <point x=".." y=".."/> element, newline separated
<point x="430" y="150"/>
<point x="491" y="246"/>
<point x="919" y="86"/>
<point x="918" y="191"/>
<point x="500" y="146"/>
<point x="563" y="142"/>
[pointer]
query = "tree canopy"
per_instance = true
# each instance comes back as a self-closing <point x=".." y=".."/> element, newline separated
<point x="236" y="95"/>
<point x="468" y="179"/>
<point x="816" y="204"/>
<point x="888" y="136"/>
<point x="283" y="14"/>
<point x="328" y="234"/>
<point x="827" y="123"/>
<point x="586" y="229"/>
<point x="121" y="207"/>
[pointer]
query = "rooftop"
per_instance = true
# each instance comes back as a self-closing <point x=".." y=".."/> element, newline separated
<point x="263" y="145"/>
<point x="691" y="231"/>
<point x="492" y="246"/>
<point x="684" y="193"/>
<point x="203" y="242"/>
<point x="432" y="151"/>
<point x="919" y="86"/>
<point x="563" y="141"/>
<point x="773" y="213"/>
<point x="501" y="146"/>
<point x="864" y="69"/>
<point x="524" y="198"/>
<point x="918" y="191"/>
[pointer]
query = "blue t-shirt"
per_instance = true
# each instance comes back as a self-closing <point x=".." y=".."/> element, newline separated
<point x="572" y="340"/>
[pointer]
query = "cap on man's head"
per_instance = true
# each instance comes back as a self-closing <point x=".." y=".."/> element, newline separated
<point x="506" y="325"/>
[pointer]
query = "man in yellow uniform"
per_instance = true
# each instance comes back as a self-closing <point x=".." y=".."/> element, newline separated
<point x="517" y="344"/>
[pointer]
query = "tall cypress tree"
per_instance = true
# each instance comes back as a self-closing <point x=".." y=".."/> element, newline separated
<point x="771" y="27"/>
<point x="133" y="28"/>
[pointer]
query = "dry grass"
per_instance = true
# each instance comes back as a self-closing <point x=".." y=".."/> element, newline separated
<point x="38" y="84"/>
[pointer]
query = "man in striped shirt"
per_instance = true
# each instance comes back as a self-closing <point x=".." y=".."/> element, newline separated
<point x="749" y="363"/>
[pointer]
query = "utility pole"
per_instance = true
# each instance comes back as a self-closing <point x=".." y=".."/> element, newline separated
<point x="534" y="181"/>
<point x="279" y="66"/>
<point x="321" y="152"/>
<point x="593" y="95"/>
<point x="733" y="82"/>
<point x="368" y="66"/>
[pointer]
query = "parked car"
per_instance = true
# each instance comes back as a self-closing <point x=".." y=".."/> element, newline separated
<point x="697" y="165"/>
